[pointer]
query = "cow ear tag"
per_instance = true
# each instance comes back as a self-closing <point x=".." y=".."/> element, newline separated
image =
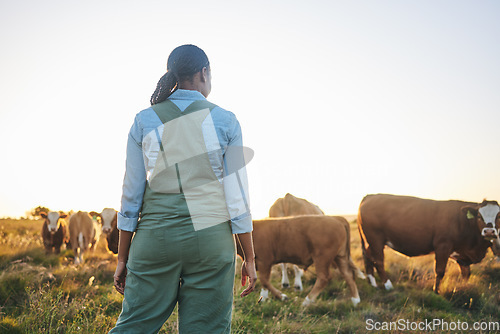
<point x="470" y="215"/>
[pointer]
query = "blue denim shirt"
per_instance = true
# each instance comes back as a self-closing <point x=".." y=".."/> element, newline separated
<point x="138" y="157"/>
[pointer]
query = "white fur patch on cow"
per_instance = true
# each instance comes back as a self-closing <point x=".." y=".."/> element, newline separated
<point x="388" y="285"/>
<point x="355" y="301"/>
<point x="80" y="241"/>
<point x="285" y="282"/>
<point x="307" y="302"/>
<point x="489" y="213"/>
<point x="107" y="216"/>
<point x="264" y="295"/>
<point x="53" y="218"/>
<point x="359" y="273"/>
<point x="298" y="277"/>
<point x="372" y="281"/>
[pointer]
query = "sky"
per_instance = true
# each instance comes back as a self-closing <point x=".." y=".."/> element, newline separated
<point x="338" y="99"/>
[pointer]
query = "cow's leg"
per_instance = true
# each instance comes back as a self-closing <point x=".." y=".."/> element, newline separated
<point x="76" y="252"/>
<point x="298" y="277"/>
<point x="348" y="274"/>
<point x="93" y="245"/>
<point x="375" y="253"/>
<point x="264" y="275"/>
<point x="57" y="249"/>
<point x="369" y="265"/>
<point x="264" y="294"/>
<point x="442" y="255"/>
<point x="285" y="282"/>
<point x="495" y="246"/>
<point x="370" y="272"/>
<point x="322" y="279"/>
<point x="465" y="271"/>
<point x="356" y="271"/>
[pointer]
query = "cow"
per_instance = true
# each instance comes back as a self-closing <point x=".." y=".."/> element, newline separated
<point x="108" y="219"/>
<point x="294" y="206"/>
<point x="304" y="240"/>
<point x="414" y="226"/>
<point x="83" y="231"/>
<point x="54" y="231"/>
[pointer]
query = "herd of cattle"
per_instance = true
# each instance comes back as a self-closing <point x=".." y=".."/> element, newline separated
<point x="81" y="233"/>
<point x="298" y="232"/>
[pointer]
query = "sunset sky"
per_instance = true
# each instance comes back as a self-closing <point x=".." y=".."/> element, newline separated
<point x="338" y="99"/>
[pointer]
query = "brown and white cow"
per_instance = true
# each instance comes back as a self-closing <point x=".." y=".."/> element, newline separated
<point x="108" y="218"/>
<point x="304" y="240"/>
<point x="83" y="231"/>
<point x="294" y="206"/>
<point x="413" y="226"/>
<point x="54" y="231"/>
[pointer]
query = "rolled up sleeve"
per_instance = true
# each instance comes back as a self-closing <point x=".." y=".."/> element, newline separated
<point x="134" y="181"/>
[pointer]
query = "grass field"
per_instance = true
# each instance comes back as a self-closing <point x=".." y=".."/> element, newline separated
<point x="48" y="294"/>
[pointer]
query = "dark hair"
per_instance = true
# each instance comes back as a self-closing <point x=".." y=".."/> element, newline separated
<point x="184" y="62"/>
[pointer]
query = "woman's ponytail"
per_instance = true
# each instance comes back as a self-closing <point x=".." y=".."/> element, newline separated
<point x="167" y="84"/>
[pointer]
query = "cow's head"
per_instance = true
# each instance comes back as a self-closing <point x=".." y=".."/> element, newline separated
<point x="107" y="218"/>
<point x="52" y="219"/>
<point x="487" y="217"/>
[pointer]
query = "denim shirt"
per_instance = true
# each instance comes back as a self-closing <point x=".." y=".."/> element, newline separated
<point x="140" y="158"/>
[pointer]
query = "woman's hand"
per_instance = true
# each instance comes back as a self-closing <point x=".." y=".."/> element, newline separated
<point x="248" y="270"/>
<point x="120" y="276"/>
<point x="121" y="267"/>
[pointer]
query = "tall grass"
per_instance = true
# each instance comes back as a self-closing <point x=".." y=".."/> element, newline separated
<point x="42" y="293"/>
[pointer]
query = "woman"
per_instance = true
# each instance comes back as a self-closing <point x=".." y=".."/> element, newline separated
<point x="184" y="206"/>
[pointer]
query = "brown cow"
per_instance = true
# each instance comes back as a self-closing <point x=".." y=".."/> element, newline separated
<point x="54" y="231"/>
<point x="108" y="219"/>
<point x="294" y="206"/>
<point x="304" y="240"/>
<point x="413" y="226"/>
<point x="83" y="231"/>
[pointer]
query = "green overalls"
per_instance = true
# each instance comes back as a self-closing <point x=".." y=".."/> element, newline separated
<point x="183" y="249"/>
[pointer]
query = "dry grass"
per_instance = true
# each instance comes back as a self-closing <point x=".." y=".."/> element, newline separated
<point x="40" y="293"/>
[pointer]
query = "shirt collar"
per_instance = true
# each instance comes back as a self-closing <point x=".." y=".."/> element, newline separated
<point x="184" y="94"/>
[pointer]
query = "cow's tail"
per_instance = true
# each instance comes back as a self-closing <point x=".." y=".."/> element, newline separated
<point x="362" y="237"/>
<point x="363" y="247"/>
<point x="348" y="241"/>
<point x="81" y="241"/>
<point x="355" y="270"/>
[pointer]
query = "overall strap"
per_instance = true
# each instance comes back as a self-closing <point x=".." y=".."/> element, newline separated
<point x="199" y="105"/>
<point x="167" y="110"/>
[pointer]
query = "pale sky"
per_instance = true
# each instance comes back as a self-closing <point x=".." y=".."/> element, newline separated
<point x="338" y="99"/>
